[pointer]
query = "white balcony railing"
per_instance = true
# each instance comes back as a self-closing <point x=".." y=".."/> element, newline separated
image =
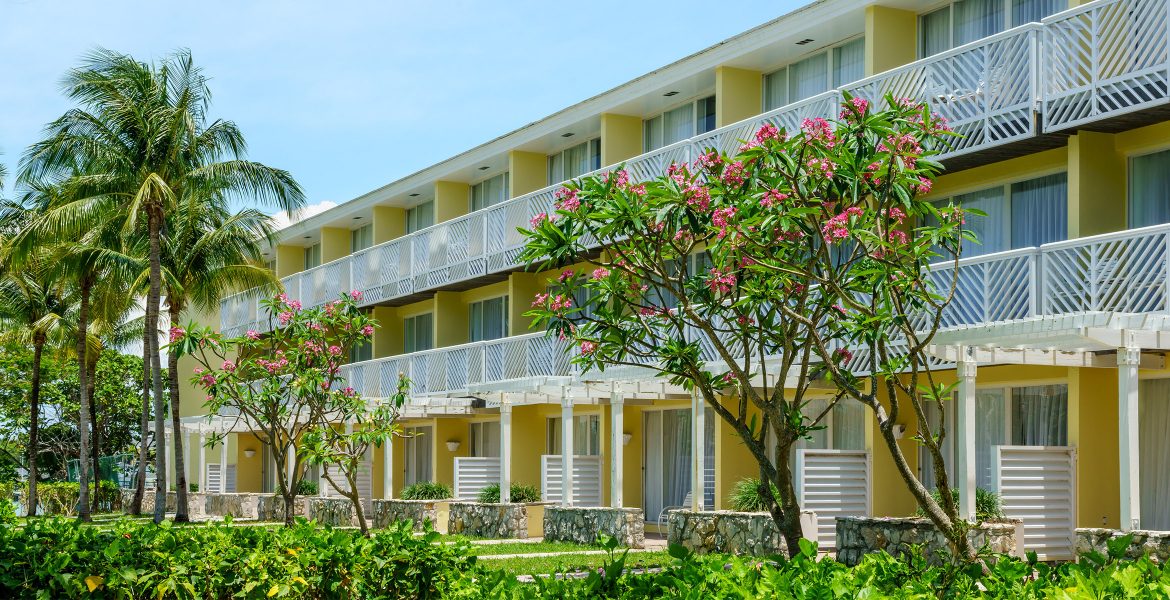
<point x="1104" y="58"/>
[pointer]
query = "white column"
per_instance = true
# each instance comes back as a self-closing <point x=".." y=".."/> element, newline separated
<point x="388" y="469"/>
<point x="965" y="437"/>
<point x="202" y="479"/>
<point x="169" y="457"/>
<point x="1128" y="360"/>
<point x="616" y="407"/>
<point x="292" y="462"/>
<point x="189" y="462"/>
<point x="222" y="465"/>
<point x="567" y="450"/>
<point x="505" y="451"/>
<point x="697" y="477"/>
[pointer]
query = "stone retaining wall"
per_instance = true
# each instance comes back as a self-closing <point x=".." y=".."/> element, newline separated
<point x="147" y="501"/>
<point x="582" y="525"/>
<point x="1156" y="544"/>
<point x="239" y="506"/>
<point x="509" y="521"/>
<point x="416" y="511"/>
<point x="271" y="508"/>
<point x="338" y="512"/>
<point x="858" y="536"/>
<point x="731" y="532"/>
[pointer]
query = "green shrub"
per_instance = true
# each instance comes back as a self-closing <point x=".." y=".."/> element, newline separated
<point x="61" y="497"/>
<point x="745" y="496"/>
<point x="7" y="510"/>
<point x="988" y="504"/>
<point x="517" y="493"/>
<point x="427" y="490"/>
<point x="307" y="488"/>
<point x="193" y="487"/>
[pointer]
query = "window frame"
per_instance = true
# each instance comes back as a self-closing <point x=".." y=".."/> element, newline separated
<point x="312" y="254"/>
<point x="553" y="430"/>
<point x="506" y="195"/>
<point x="950" y="8"/>
<point x="1006" y="187"/>
<point x="593" y="143"/>
<point x="412" y="216"/>
<point x="660" y="116"/>
<point x="471" y="334"/>
<point x="410" y="330"/>
<point x="361" y="235"/>
<point x="830" y="68"/>
<point x="476" y="438"/>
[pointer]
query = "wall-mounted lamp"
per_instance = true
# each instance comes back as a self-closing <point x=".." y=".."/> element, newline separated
<point x="626" y="437"/>
<point x="453" y="446"/>
<point x="249" y="453"/>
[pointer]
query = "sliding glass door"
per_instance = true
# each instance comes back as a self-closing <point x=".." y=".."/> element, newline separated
<point x="668" y="459"/>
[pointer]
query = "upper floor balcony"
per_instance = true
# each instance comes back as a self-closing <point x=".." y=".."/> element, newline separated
<point x="1106" y="63"/>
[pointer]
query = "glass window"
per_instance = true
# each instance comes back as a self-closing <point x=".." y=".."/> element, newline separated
<point x="966" y="21"/>
<point x="417" y="456"/>
<point x="1154" y="453"/>
<point x="361" y="238"/>
<point x="420" y="217"/>
<point x="849" y="62"/>
<point x="270" y="265"/>
<point x="934" y="32"/>
<point x="1039" y="211"/>
<point x="1032" y="11"/>
<point x="489" y="192"/>
<point x="586" y="435"/>
<point x="574" y="161"/>
<point x="808" y="77"/>
<point x="417" y="333"/>
<point x="313" y="256"/>
<point x="485" y="439"/>
<point x="362" y="350"/>
<point x="776" y="89"/>
<point x="976" y="19"/>
<point x="1149" y="189"/>
<point x="488" y="319"/>
<point x="678" y="124"/>
<point x="705" y="115"/>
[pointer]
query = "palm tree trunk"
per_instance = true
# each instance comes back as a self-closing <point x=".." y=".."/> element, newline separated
<point x="34" y="402"/>
<point x="181" y="515"/>
<point x="143" y="429"/>
<point x="96" y="452"/>
<point x="83" y="403"/>
<point x="154" y="222"/>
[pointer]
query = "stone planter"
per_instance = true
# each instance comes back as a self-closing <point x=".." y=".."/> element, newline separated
<point x="731" y="532"/>
<point x="1155" y="544"/>
<point x="508" y="521"/>
<point x="415" y="511"/>
<point x="858" y="536"/>
<point x="582" y="525"/>
<point x="238" y="506"/>
<point x="271" y="508"/>
<point x="338" y="512"/>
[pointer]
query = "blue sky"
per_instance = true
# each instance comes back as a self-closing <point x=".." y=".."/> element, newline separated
<point x="349" y="96"/>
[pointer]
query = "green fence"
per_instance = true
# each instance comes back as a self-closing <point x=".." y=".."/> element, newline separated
<point x="121" y="469"/>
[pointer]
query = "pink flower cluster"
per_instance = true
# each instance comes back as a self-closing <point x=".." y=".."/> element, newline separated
<point x="368" y="330"/>
<point x="822" y="167"/>
<point x="274" y="366"/>
<point x="766" y="132"/>
<point x="923" y="186"/>
<point x="621" y="178"/>
<point x="600" y="273"/>
<point x="560" y="303"/>
<point x="638" y="190"/>
<point x="355" y="295"/>
<point x="228" y="366"/>
<point x="855" y="107"/>
<point x="722" y="218"/>
<point x="734" y="174"/>
<point x="720" y="281"/>
<point x="905" y="145"/>
<point x="539" y="218"/>
<point x="678" y="173"/>
<point x="842" y="355"/>
<point x="252" y="334"/>
<point x="177" y="334"/>
<point x="837" y="228"/>
<point x="207" y="379"/>
<point x="566" y="275"/>
<point x="708" y="160"/>
<point x="772" y="198"/>
<point x="697" y="197"/>
<point x="895" y="214"/>
<point x="284" y="317"/>
<point x="819" y="130"/>
<point x="567" y="200"/>
<point x="587" y="347"/>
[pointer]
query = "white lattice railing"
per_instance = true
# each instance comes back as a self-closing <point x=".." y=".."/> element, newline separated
<point x="1120" y="272"/>
<point x="1105" y="58"/>
<point x="472" y="474"/>
<point x="995" y="287"/>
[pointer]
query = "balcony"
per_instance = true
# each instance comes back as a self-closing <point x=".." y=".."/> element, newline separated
<point x="993" y="91"/>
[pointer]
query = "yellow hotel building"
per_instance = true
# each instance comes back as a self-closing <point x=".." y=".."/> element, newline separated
<point x="1057" y="336"/>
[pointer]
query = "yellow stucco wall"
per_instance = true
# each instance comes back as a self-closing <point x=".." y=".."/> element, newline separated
<point x="738" y="94"/>
<point x="621" y="138"/>
<point x="249" y="471"/>
<point x="289" y="260"/>
<point x="522" y="287"/>
<point x="450" y="320"/>
<point x="733" y="460"/>
<point x="335" y="244"/>
<point x="1096" y="185"/>
<point x="389" y="223"/>
<point x="452" y="199"/>
<point x="528" y="172"/>
<point x="891" y="38"/>
<point x="447" y="429"/>
<point x="388" y="334"/>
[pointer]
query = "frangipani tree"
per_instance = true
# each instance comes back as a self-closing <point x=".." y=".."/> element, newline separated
<point x="285" y="384"/>
<point x="814" y="283"/>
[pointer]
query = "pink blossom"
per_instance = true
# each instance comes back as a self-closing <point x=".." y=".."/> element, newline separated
<point x="638" y="190"/>
<point x="837" y="228"/>
<point x="252" y="334"/>
<point x="177" y="334"/>
<point x="228" y="366"/>
<point x="368" y="330"/>
<point x="537" y="219"/>
<point x="587" y="347"/>
<point x="295" y="305"/>
<point x="698" y="197"/>
<point x="335" y="350"/>
<point x="720" y="281"/>
<point x="843" y="355"/>
<point x="284" y="317"/>
<point x="819" y="130"/>
<point x="772" y="198"/>
<point x="837" y="307"/>
<point x="566" y="275"/>
<point x="349" y="392"/>
<point x="821" y="166"/>
<point x="356" y="295"/>
<point x="539" y="299"/>
<point x="721" y="218"/>
<point x="567" y="200"/>
<point x="208" y="379"/>
<point x="727" y="377"/>
<point x="621" y="178"/>
<point x="708" y="160"/>
<point x="600" y="273"/>
<point x="923" y="186"/>
<point x="898" y="237"/>
<point x="734" y="174"/>
<point x="895" y="214"/>
<point x="766" y="132"/>
<point x="561" y="303"/>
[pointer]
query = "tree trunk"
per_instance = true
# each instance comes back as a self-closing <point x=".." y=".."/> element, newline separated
<point x="96" y="445"/>
<point x="785" y="510"/>
<point x="83" y="513"/>
<point x="154" y="222"/>
<point x="34" y="403"/>
<point x="181" y="488"/>
<point x="143" y="429"/>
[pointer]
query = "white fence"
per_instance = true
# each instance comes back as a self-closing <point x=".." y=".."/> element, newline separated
<point x="1038" y="486"/>
<point x="833" y="483"/>
<point x="586" y="479"/>
<point x="472" y="474"/>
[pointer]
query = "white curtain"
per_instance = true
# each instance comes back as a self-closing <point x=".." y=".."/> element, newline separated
<point x="586" y="435"/>
<point x="992" y="230"/>
<point x="488" y="319"/>
<point x="977" y="19"/>
<point x="849" y="62"/>
<point x="1154" y="453"/>
<point x="676" y="456"/>
<point x="1031" y="11"/>
<point x="776" y="89"/>
<point x="653" y="472"/>
<point x="1040" y="415"/>
<point x="418" y="454"/>
<point x="990" y="431"/>
<point x="1040" y="211"/>
<point x="485" y="439"/>
<point x="1149" y="189"/>
<point x="678" y="124"/>
<point x="934" y="32"/>
<point x="808" y="77"/>
<point x="849" y="419"/>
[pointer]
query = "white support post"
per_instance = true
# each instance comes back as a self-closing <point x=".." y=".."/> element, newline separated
<point x="965" y="430"/>
<point x="188" y="462"/>
<point x="617" y="404"/>
<point x="169" y="457"/>
<point x="567" y="450"/>
<point x="505" y="451"/>
<point x="388" y="469"/>
<point x="223" y="465"/>
<point x="697" y="477"/>
<point x="1128" y="360"/>
<point x="202" y="479"/>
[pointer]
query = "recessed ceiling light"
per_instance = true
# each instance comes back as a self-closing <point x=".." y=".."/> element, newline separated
<point x="569" y="134"/>
<point x="356" y="218"/>
<point x="804" y="41"/>
<point x="308" y="237"/>
<point x="670" y="93"/>
<point x="484" y="168"/>
<point x="414" y="195"/>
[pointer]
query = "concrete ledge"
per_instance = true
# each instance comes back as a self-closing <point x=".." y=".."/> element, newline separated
<point x="582" y="525"/>
<point x="730" y="532"/>
<point x="858" y="536"/>
<point x="1155" y="544"/>
<point x="512" y="521"/>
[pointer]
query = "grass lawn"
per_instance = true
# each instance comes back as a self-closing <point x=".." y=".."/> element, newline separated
<point x="528" y="548"/>
<point x="549" y="565"/>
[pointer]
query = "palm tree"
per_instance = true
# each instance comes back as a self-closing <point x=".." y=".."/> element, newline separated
<point x="140" y="143"/>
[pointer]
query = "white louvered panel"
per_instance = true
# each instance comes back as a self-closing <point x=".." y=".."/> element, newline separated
<point x="231" y="479"/>
<point x="1038" y="486"/>
<point x="472" y="474"/>
<point x="213" y="477"/>
<point x="586" y="479"/>
<point x="833" y="483"/>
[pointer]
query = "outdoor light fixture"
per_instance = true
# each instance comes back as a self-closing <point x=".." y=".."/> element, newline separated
<point x="484" y="168"/>
<point x="414" y="195"/>
<point x="453" y="446"/>
<point x="356" y="218"/>
<point x="804" y="41"/>
<point x="671" y="93"/>
<point x="569" y="134"/>
<point x="249" y="453"/>
<point x="626" y="437"/>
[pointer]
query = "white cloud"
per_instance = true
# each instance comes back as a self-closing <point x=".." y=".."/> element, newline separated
<point x="281" y="219"/>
